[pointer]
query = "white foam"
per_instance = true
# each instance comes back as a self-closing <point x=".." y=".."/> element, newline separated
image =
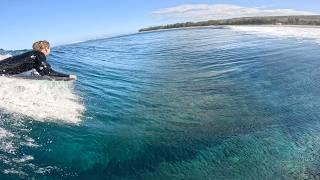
<point x="300" y="32"/>
<point x="46" y="170"/>
<point x="4" y="133"/>
<point x="41" y="100"/>
<point x="23" y="159"/>
<point x="6" y="144"/>
<point x="14" y="171"/>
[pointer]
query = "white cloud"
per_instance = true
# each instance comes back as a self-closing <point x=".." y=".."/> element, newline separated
<point x="221" y="11"/>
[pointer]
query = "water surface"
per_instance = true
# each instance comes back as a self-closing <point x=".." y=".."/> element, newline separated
<point x="183" y="104"/>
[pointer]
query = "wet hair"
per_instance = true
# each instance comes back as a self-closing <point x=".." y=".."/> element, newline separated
<point x="40" y="45"/>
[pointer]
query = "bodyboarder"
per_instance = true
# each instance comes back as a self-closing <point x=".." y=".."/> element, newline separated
<point x="35" y="59"/>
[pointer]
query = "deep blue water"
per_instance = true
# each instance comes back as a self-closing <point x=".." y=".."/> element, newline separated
<point x="183" y="104"/>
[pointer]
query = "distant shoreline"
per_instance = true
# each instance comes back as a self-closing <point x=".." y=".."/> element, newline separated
<point x="226" y="26"/>
<point x="305" y="21"/>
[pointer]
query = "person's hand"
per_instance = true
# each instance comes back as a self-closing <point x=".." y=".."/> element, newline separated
<point x="73" y="77"/>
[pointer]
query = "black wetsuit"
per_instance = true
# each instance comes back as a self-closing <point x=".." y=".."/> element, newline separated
<point x="26" y="62"/>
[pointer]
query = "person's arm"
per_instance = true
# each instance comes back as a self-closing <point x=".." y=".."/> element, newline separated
<point x="44" y="69"/>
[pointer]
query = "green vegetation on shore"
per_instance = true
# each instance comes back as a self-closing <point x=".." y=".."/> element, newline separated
<point x="270" y="20"/>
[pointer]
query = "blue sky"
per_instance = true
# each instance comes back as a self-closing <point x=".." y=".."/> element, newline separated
<point x="65" y="21"/>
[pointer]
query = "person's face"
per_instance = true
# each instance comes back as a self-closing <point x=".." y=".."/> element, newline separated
<point x="47" y="51"/>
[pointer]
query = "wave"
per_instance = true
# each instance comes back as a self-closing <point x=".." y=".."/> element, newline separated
<point x="300" y="32"/>
<point x="41" y="100"/>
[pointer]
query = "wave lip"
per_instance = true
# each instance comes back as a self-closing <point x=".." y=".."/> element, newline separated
<point x="41" y="100"/>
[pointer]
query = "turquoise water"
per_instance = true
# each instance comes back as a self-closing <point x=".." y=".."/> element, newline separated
<point x="184" y="104"/>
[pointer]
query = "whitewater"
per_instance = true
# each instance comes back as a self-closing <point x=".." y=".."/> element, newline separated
<point x="282" y="31"/>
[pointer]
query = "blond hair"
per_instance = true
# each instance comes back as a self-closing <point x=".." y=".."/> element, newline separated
<point x="40" y="45"/>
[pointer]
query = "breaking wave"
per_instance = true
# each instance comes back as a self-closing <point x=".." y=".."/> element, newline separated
<point x="299" y="32"/>
<point x="41" y="100"/>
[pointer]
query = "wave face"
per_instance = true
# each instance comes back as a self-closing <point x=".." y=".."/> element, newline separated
<point x="233" y="103"/>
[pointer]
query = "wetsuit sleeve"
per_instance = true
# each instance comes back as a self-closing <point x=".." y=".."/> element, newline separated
<point x="44" y="69"/>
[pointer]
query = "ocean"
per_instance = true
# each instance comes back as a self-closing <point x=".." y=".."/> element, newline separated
<point x="239" y="102"/>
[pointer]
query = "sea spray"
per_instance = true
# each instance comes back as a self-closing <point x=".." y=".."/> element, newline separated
<point x="41" y="100"/>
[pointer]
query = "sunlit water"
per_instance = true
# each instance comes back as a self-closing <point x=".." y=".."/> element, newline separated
<point x="184" y="104"/>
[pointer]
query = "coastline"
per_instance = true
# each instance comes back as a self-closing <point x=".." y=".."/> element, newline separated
<point x="226" y="26"/>
<point x="304" y="20"/>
